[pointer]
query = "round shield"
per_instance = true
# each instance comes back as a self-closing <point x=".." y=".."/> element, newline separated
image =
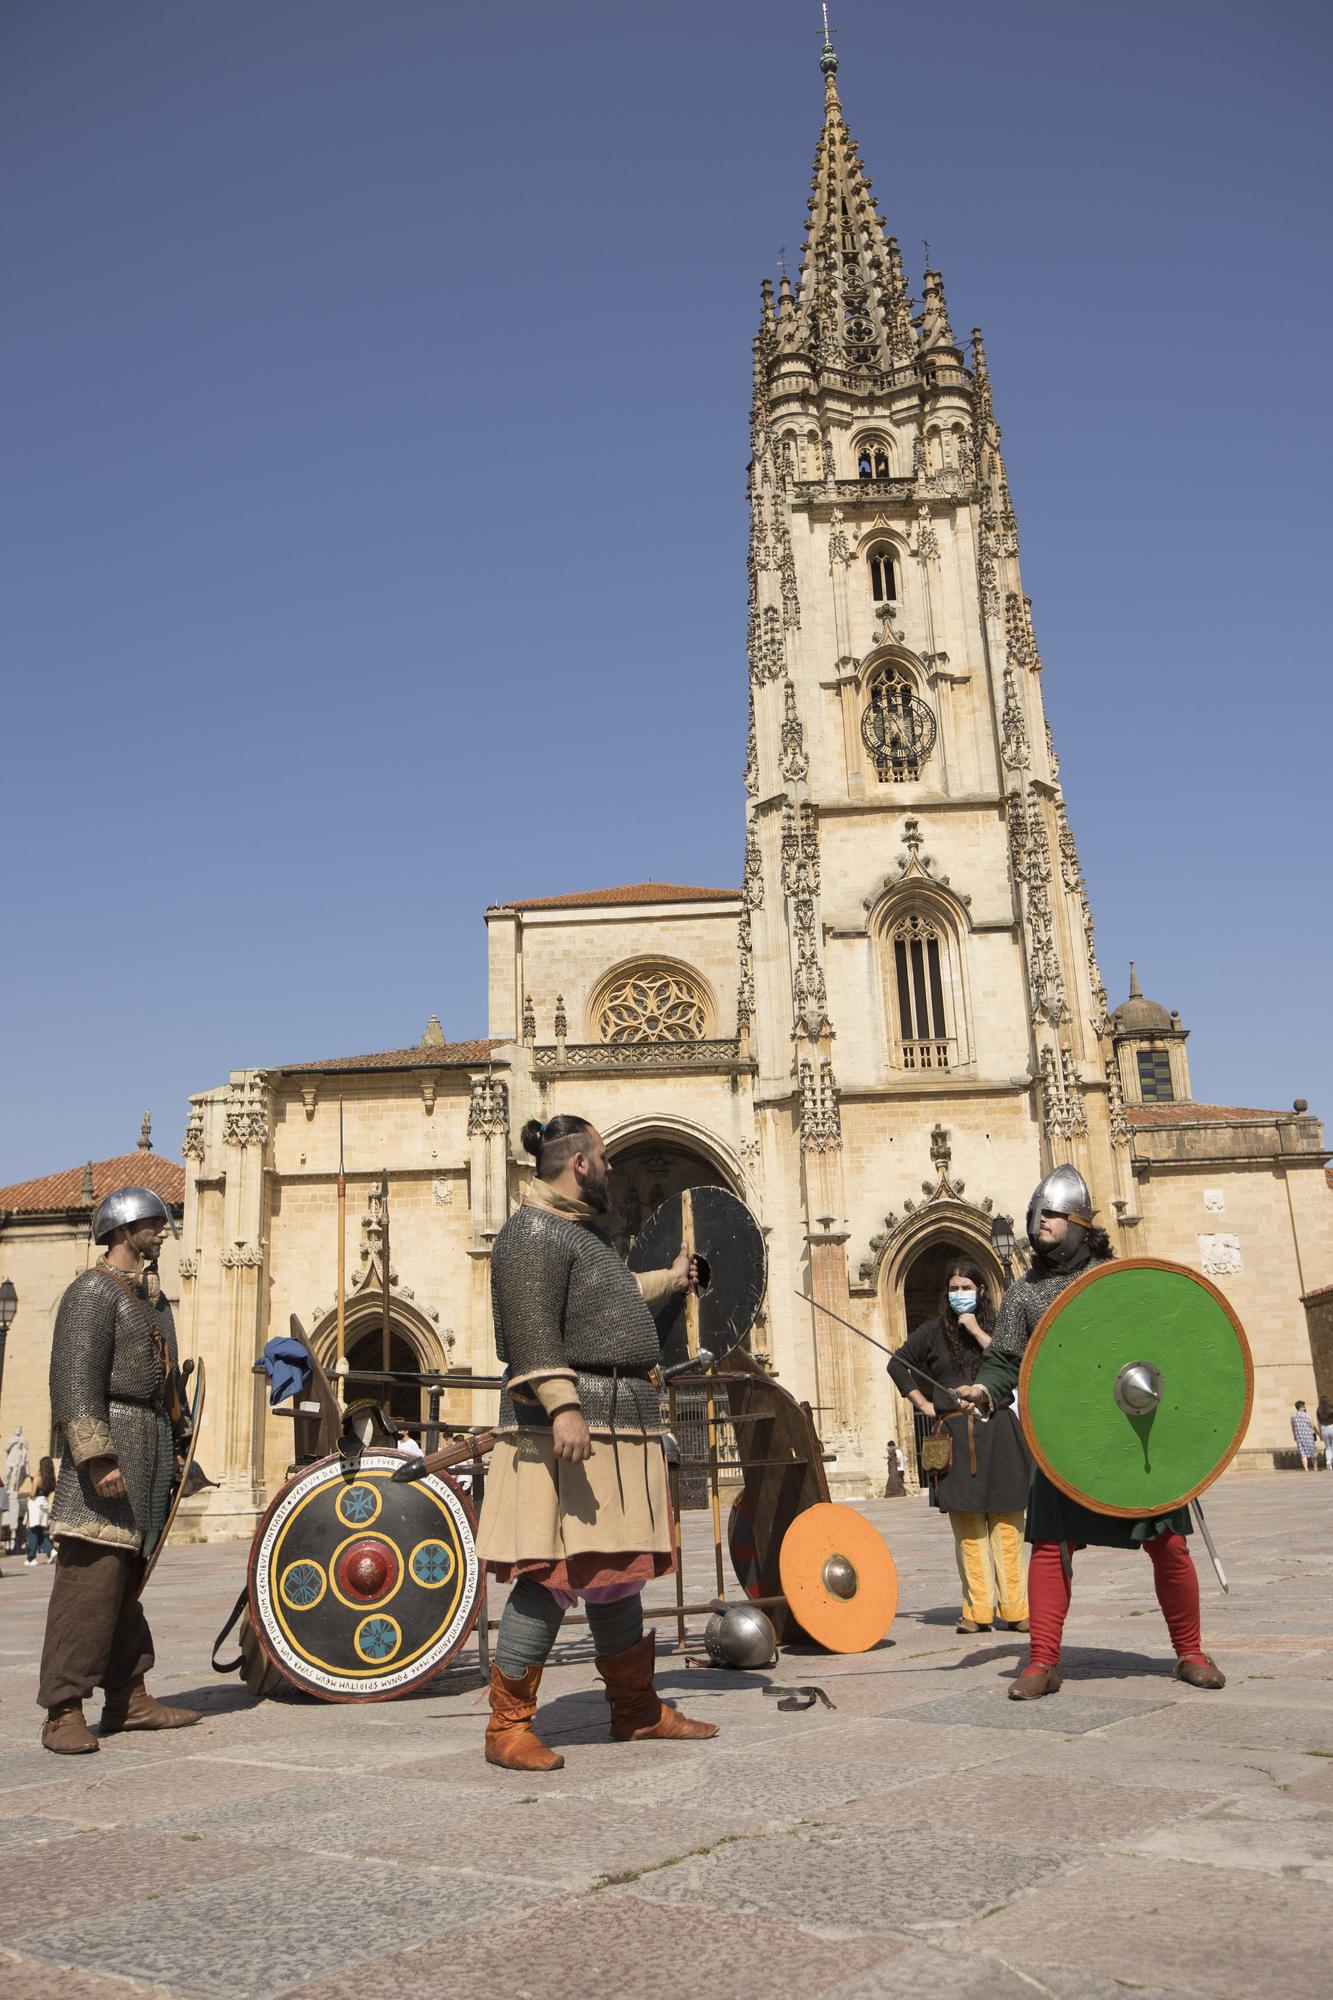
<point x="743" y="1547"/>
<point x="721" y="1232"/>
<point x="1136" y="1387"/>
<point x="191" y="1477"/>
<point x="838" y="1578"/>
<point x="361" y="1588"/>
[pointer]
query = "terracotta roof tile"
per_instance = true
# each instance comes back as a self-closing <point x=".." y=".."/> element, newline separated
<point x="65" y="1190"/>
<point x="437" y="1055"/>
<point x="627" y="892"/>
<point x="1200" y="1114"/>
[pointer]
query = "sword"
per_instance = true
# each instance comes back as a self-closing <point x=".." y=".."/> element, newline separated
<point x="1210" y="1546"/>
<point x="880" y="1345"/>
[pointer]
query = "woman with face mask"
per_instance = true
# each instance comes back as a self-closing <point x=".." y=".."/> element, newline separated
<point x="984" y="1490"/>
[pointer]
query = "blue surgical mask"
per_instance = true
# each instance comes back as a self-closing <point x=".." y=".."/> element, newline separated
<point x="963" y="1302"/>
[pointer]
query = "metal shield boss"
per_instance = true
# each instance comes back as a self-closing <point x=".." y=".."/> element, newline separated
<point x="838" y="1578"/>
<point x="1136" y="1387"/>
<point x="359" y="1588"/>
<point x="733" y="1262"/>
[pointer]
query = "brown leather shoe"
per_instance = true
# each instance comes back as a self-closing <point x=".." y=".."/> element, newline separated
<point x="637" y="1710"/>
<point x="1033" y="1683"/>
<point x="134" y="1708"/>
<point x="66" y="1732"/>
<point x="1015" y="1624"/>
<point x="1198" y="1671"/>
<point x="511" y="1741"/>
<point x="970" y="1625"/>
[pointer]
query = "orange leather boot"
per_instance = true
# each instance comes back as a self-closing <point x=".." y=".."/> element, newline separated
<point x="511" y="1740"/>
<point x="637" y="1711"/>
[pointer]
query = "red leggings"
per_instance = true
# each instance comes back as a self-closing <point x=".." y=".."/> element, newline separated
<point x="1174" y="1577"/>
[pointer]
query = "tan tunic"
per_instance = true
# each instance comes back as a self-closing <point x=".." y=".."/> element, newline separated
<point x="538" y="1508"/>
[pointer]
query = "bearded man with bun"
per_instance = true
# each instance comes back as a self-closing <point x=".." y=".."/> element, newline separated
<point x="576" y="1500"/>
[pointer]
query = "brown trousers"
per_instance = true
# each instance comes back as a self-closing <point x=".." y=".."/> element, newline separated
<point x="96" y="1633"/>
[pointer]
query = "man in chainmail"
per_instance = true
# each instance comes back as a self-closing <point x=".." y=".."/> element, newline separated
<point x="115" y="1397"/>
<point x="1066" y="1242"/>
<point x="576" y="1497"/>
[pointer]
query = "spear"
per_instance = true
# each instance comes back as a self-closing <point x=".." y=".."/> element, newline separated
<point x="384" y="1271"/>
<point x="340" y="1367"/>
<point x="880" y="1345"/>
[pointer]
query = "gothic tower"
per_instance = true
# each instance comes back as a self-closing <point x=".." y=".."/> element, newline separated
<point x="918" y="980"/>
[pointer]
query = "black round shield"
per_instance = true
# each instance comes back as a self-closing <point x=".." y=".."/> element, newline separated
<point x="360" y="1588"/>
<point x="730" y="1246"/>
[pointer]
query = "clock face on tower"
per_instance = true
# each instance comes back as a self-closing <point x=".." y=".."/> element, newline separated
<point x="897" y="728"/>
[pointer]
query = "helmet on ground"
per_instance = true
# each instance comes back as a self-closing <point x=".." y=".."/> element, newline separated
<point x="125" y="1205"/>
<point x="740" y="1636"/>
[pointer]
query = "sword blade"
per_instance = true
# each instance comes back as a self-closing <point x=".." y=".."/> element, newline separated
<point x="1210" y="1545"/>
<point x="911" y="1365"/>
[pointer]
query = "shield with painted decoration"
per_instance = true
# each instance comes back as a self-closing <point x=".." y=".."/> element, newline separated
<point x="720" y="1231"/>
<point x="361" y="1588"/>
<point x="1136" y="1387"/>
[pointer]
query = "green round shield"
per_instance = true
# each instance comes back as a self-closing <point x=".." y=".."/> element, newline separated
<point x="1136" y="1387"/>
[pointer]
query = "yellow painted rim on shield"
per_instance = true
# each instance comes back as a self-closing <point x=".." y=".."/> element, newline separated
<point x="359" y="1673"/>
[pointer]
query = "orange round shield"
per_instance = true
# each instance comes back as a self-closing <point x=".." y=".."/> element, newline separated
<point x="838" y="1578"/>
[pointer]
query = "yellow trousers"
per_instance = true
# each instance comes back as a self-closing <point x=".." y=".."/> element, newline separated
<point x="989" y="1551"/>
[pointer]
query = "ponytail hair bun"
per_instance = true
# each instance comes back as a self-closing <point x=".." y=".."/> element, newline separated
<point x="530" y="1138"/>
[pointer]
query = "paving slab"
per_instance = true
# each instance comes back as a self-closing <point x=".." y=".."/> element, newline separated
<point x="845" y="1880"/>
<point x="1229" y="1932"/>
<point x="253" y="1935"/>
<point x="613" y="1943"/>
<point x="910" y="1840"/>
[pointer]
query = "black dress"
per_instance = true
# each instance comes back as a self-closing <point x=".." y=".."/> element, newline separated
<point x="1000" y="1483"/>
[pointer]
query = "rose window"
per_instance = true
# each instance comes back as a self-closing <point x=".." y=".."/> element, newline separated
<point x="652" y="1005"/>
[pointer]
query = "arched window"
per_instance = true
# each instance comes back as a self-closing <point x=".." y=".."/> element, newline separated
<point x="920" y="982"/>
<point x="883" y="574"/>
<point x="872" y="459"/>
<point x="652" y="1003"/>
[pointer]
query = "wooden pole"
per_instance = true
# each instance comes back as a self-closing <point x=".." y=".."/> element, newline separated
<point x="340" y="1363"/>
<point x="384" y="1271"/>
<point x="674" y="1481"/>
<point x="710" y="1412"/>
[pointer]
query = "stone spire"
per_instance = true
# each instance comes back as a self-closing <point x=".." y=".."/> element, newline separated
<point x="433" y="1038"/>
<point x="848" y="307"/>
<point x="1135" y="990"/>
<point x="146" y="1133"/>
<point x="935" y="328"/>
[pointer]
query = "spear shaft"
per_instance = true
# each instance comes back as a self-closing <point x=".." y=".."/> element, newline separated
<point x="950" y="1393"/>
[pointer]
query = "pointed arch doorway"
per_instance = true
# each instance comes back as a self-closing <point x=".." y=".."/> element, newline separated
<point x="921" y="1287"/>
<point x="648" y="1172"/>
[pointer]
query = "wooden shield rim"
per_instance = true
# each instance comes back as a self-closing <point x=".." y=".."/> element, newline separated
<point x="1043" y="1327"/>
<point x="386" y="1694"/>
<point x="196" y="1418"/>
<point x="814" y="1526"/>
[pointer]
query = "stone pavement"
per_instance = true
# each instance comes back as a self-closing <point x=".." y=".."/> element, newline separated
<point x="923" y="1837"/>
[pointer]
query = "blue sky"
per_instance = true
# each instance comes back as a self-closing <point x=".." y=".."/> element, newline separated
<point x="372" y="532"/>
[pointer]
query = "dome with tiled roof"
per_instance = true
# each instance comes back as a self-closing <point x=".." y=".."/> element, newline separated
<point x="1137" y="1016"/>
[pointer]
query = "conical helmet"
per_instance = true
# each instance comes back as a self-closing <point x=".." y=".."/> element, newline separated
<point x="1063" y="1192"/>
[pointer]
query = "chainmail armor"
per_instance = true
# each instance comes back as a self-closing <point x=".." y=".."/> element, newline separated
<point x="1027" y="1299"/>
<point x="563" y="1300"/>
<point x="105" y="1371"/>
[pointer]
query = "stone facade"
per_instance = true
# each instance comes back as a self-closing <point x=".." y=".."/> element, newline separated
<point x="881" y="1038"/>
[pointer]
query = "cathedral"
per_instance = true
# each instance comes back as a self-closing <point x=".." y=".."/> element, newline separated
<point x="880" y="1038"/>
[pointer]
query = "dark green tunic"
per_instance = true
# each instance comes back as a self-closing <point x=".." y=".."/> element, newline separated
<point x="1052" y="1515"/>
